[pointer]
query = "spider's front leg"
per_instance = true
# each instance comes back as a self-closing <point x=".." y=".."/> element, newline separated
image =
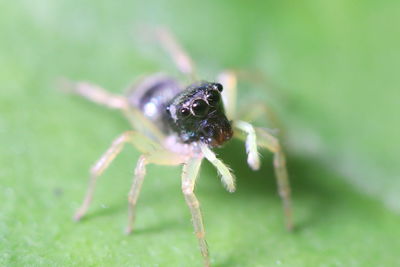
<point x="140" y="172"/>
<point x="189" y="176"/>
<point x="227" y="177"/>
<point x="160" y="156"/>
<point x="190" y="172"/>
<point x="253" y="158"/>
<point x="255" y="137"/>
<point x="258" y="137"/>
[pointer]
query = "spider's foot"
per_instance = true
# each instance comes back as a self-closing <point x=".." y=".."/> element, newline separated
<point x="128" y="230"/>
<point x="78" y="215"/>
<point x="254" y="161"/>
<point x="289" y="223"/>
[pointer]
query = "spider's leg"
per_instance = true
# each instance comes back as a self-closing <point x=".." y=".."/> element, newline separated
<point x="180" y="57"/>
<point x="268" y="141"/>
<point x="96" y="94"/>
<point x="259" y="110"/>
<point x="159" y="157"/>
<point x="253" y="159"/>
<point x="227" y="177"/>
<point x="142" y="124"/>
<point x="141" y="142"/>
<point x="249" y="113"/>
<point x="189" y="175"/>
<point x="229" y="81"/>
<point x="140" y="172"/>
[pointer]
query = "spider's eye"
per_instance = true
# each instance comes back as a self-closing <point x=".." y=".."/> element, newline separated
<point x="184" y="112"/>
<point x="199" y="107"/>
<point x="208" y="129"/>
<point x="213" y="97"/>
<point x="219" y="87"/>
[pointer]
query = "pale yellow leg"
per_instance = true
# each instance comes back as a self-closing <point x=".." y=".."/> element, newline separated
<point x="96" y="94"/>
<point x="140" y="172"/>
<point x="260" y="137"/>
<point x="228" y="80"/>
<point x="271" y="143"/>
<point x="253" y="159"/>
<point x="180" y="57"/>
<point x="250" y="113"/>
<point x="227" y="177"/>
<point x="258" y="111"/>
<point x="189" y="175"/>
<point x="159" y="157"/>
<point x="141" y="142"/>
<point x="256" y="137"/>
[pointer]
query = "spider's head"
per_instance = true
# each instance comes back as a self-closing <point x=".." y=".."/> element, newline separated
<point x="197" y="114"/>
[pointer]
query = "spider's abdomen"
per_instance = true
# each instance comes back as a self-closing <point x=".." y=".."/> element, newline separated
<point x="151" y="96"/>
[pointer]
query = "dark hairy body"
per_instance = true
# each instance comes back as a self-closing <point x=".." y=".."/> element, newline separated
<point x="194" y="113"/>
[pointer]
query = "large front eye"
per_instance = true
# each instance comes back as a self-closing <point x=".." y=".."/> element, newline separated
<point x="213" y="97"/>
<point x="184" y="112"/>
<point x="199" y="107"/>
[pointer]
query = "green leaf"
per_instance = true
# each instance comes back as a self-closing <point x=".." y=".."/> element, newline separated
<point x="331" y="71"/>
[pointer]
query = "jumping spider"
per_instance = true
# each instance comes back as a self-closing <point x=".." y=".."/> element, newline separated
<point x="176" y="125"/>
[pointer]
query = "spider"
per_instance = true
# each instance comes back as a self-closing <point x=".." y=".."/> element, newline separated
<point x="177" y="125"/>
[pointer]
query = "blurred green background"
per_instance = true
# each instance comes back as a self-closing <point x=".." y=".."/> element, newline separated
<point x="332" y="77"/>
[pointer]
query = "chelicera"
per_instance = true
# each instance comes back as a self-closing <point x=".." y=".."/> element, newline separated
<point x="180" y="125"/>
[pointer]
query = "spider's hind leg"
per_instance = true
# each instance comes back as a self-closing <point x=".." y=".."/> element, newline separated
<point x="180" y="57"/>
<point x="258" y="137"/>
<point x="96" y="94"/>
<point x="159" y="156"/>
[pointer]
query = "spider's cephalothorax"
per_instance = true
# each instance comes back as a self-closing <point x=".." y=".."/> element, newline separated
<point x="197" y="114"/>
